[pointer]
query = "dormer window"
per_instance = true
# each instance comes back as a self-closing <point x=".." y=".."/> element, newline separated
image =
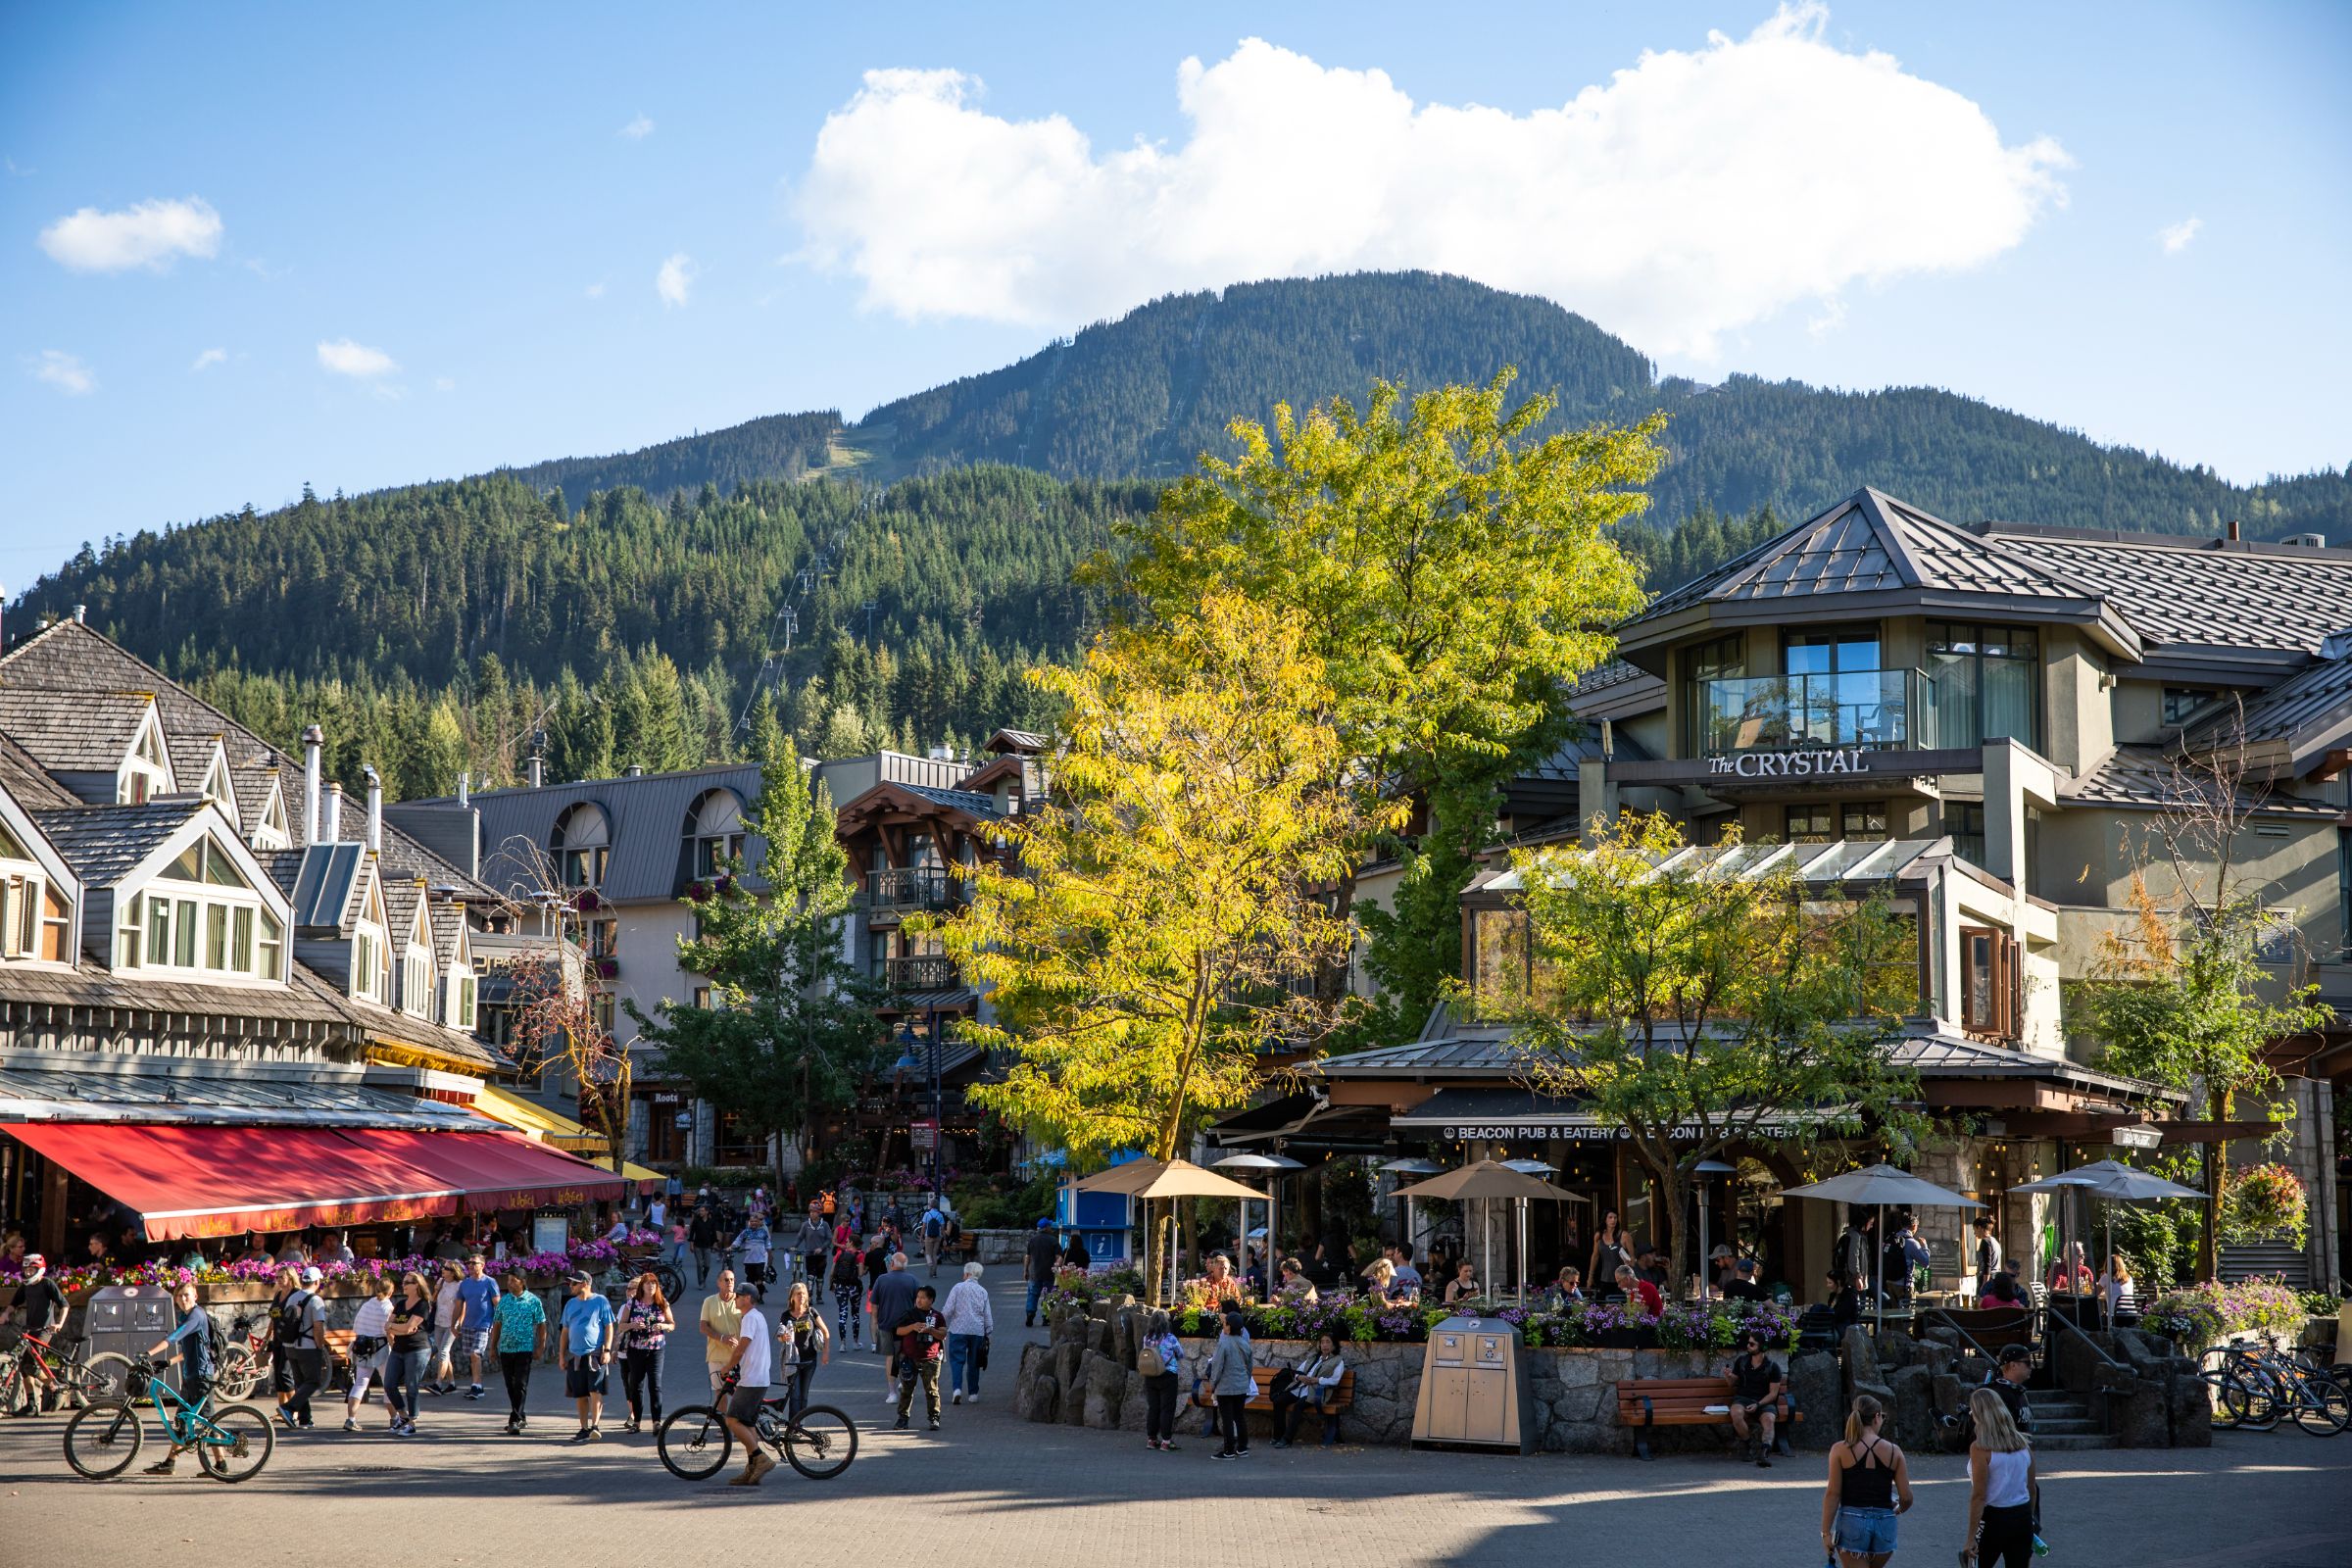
<point x="201" y="916"/>
<point x="271" y="832"/>
<point x="416" y="966"/>
<point x="583" y="847"/>
<point x="35" y="918"/>
<point x="716" y="830"/>
<point x="371" y="952"/>
<point x="147" y="771"/>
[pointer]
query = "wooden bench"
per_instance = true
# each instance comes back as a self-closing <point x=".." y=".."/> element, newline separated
<point x="1645" y="1404"/>
<point x="336" y="1343"/>
<point x="1337" y="1400"/>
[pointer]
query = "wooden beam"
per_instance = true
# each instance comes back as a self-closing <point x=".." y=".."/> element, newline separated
<point x="2215" y="1132"/>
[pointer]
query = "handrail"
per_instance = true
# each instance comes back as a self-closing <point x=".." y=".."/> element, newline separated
<point x="2105" y="1396"/>
<point x="1952" y="1323"/>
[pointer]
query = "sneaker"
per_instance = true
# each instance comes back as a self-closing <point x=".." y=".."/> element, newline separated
<point x="935" y="1426"/>
<point x="1167" y="1445"/>
<point x="350" y="1424"/>
<point x="1282" y="1443"/>
<point x="476" y="1392"/>
<point x="890" y="1396"/>
<point x="630" y="1426"/>
<point x="596" y="1433"/>
<point x="900" y="1425"/>
<point x="1763" y="1463"/>
<point x="513" y="1427"/>
<point x="971" y="1399"/>
<point x="580" y="1436"/>
<point x="164" y="1466"/>
<point x="1224" y="1454"/>
<point x="285" y="1418"/>
<point x="958" y="1400"/>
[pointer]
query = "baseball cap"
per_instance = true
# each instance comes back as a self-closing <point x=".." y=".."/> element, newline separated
<point x="1748" y="1265"/>
<point x="579" y="1277"/>
<point x="312" y="1276"/>
<point x="1720" y="1250"/>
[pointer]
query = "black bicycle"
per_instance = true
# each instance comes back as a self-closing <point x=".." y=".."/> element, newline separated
<point x="695" y="1442"/>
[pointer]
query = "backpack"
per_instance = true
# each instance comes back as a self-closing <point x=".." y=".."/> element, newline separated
<point x="1148" y="1362"/>
<point x="288" y="1320"/>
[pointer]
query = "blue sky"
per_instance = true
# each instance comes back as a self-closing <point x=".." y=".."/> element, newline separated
<point x="361" y="248"/>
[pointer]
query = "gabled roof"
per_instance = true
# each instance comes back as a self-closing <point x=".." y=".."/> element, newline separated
<point x="106" y="843"/>
<point x="22" y="776"/>
<point x="1881" y="553"/>
<point x="2150" y="778"/>
<point x="2308" y="713"/>
<point x="1014" y="740"/>
<point x="646" y="815"/>
<point x="76" y="732"/>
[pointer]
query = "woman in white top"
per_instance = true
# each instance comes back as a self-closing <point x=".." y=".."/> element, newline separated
<point x="370" y="1329"/>
<point x="970" y="1321"/>
<point x="443" y="1379"/>
<point x="2001" y="1490"/>
<point x="2114" y="1288"/>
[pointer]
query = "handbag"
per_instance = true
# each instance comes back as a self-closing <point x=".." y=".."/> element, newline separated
<point x="980" y="1357"/>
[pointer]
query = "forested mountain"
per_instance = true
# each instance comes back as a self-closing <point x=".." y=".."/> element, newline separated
<point x="630" y="605"/>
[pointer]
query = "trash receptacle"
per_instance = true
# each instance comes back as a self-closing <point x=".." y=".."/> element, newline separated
<point x="127" y="1319"/>
<point x="1474" y="1387"/>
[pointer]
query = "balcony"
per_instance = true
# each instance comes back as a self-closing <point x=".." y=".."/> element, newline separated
<point x="904" y="889"/>
<point x="1881" y="709"/>
<point x="929" y="971"/>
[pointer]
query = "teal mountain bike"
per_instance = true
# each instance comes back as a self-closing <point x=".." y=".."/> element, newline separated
<point x="231" y="1443"/>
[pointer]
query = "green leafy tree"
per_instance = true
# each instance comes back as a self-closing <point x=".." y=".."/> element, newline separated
<point x="1450" y="568"/>
<point x="1700" y="1005"/>
<point x="791" y="1025"/>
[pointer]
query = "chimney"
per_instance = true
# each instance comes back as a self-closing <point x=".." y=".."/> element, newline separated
<point x="313" y="740"/>
<point x="375" y="809"/>
<point x="538" y="757"/>
<point x="633" y="770"/>
<point x="331" y="831"/>
<point x="81" y="612"/>
<point x="2232" y="540"/>
<point x="466" y="788"/>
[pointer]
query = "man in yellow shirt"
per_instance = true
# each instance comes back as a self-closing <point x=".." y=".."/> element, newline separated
<point x="722" y="1322"/>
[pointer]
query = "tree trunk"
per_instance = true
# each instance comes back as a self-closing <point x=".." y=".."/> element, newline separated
<point x="1676" y="1187"/>
<point x="2217" y="1187"/>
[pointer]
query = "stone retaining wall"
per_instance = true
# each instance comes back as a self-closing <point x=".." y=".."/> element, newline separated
<point x="1085" y="1376"/>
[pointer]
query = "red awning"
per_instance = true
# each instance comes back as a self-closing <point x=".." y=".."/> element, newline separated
<point x="504" y="1170"/>
<point x="191" y="1180"/>
<point x="198" y="1181"/>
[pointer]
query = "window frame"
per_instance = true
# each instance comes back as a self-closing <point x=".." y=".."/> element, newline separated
<point x="1994" y="954"/>
<point x="1935" y="648"/>
<point x="173" y="927"/>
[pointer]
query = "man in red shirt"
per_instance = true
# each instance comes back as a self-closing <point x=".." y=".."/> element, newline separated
<point x="1636" y="1288"/>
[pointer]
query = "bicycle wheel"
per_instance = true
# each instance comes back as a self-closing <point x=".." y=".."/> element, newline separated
<point x="821" y="1444"/>
<point x="2228" y="1398"/>
<point x="103" y="1439"/>
<point x="16" y="1390"/>
<point x="694" y="1443"/>
<point x="673" y="1283"/>
<point x="235" y="1444"/>
<point x="2322" y="1408"/>
<point x="107" y="1377"/>
<point x="238" y="1374"/>
<point x="2261" y="1403"/>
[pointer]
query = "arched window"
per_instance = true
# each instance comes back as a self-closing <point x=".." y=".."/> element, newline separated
<point x="714" y="831"/>
<point x="583" y="846"/>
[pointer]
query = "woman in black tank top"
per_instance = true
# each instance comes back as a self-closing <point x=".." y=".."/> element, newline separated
<point x="1869" y="1485"/>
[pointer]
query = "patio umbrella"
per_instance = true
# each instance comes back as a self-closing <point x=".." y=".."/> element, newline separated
<point x="1271" y="1166"/>
<point x="1880" y="1185"/>
<point x="2114" y="1181"/>
<point x="1492" y="1179"/>
<point x="1150" y="1179"/>
<point x="1708" y="1167"/>
<point x="1410" y="1167"/>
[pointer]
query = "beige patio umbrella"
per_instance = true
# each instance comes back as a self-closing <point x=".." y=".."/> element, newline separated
<point x="1149" y="1180"/>
<point x="1492" y="1179"/>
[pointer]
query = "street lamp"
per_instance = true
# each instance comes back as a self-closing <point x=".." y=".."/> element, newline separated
<point x="909" y="1062"/>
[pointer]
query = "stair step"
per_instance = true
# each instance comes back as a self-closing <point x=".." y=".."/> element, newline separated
<point x="2044" y="1427"/>
<point x="2071" y="1442"/>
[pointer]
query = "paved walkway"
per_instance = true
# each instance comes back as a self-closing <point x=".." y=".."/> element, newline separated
<point x="992" y="1491"/>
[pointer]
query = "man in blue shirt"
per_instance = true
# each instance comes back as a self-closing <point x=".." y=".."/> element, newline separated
<point x="587" y="1353"/>
<point x="477" y="1311"/>
<point x="192" y="1344"/>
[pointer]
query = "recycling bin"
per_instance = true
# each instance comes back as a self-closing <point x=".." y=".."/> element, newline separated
<point x="127" y="1320"/>
<point x="1474" y="1387"/>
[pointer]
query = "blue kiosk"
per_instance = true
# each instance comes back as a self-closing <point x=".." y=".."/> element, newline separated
<point x="1104" y="1220"/>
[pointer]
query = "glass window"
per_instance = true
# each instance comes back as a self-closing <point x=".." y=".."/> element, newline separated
<point x="2181" y="701"/>
<point x="1811" y="824"/>
<point x="1864" y="819"/>
<point x="1966" y="825"/>
<point x="1723" y="659"/>
<point x="272" y="953"/>
<point x="216" y="936"/>
<point x="183" y="933"/>
<point x="240" y="941"/>
<point x="1984" y="683"/>
<point x="159" y="930"/>
<point x="1498" y="944"/>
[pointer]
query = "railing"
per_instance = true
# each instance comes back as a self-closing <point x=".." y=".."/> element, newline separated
<point x="929" y="971"/>
<point x="1881" y="709"/>
<point x="2052" y="1314"/>
<point x="904" y="888"/>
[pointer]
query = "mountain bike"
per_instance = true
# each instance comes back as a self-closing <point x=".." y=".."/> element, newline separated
<point x="101" y="1377"/>
<point x="819" y="1442"/>
<point x="623" y="1275"/>
<point x="248" y="1361"/>
<point x="2254" y="1387"/>
<point x="231" y="1443"/>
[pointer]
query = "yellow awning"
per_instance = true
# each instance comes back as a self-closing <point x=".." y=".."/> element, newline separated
<point x="553" y="1128"/>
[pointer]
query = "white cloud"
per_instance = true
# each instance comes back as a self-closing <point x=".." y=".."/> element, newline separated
<point x="2175" y="237"/>
<point x="152" y="234"/>
<point x="65" y="372"/>
<point x="208" y="359"/>
<point x="1693" y="193"/>
<point x="357" y="360"/>
<point x="442" y="384"/>
<point x="638" y="129"/>
<point x="594" y="291"/>
<point x="676" y="282"/>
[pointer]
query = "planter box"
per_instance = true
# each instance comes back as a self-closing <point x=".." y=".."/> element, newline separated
<point x="234" y="1292"/>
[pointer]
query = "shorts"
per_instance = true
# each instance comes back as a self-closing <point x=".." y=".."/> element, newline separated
<point x="1866" y="1530"/>
<point x="744" y="1403"/>
<point x="442" y="1340"/>
<point x="364" y="1369"/>
<point x="474" y="1342"/>
<point x="585" y="1377"/>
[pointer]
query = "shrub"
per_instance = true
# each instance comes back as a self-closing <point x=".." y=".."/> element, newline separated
<point x="2266" y="1203"/>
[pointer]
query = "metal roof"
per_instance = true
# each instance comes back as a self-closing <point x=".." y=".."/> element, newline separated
<point x="647" y="818"/>
<point x="43" y="1092"/>
<point x="2208" y="593"/>
<point x="1840" y="861"/>
<point x="969" y="803"/>
<point x="106" y="843"/>
<point x="326" y="884"/>
<point x="2148" y="777"/>
<point x="2308" y="710"/>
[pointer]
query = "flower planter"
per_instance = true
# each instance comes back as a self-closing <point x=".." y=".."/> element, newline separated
<point x="234" y="1292"/>
<point x="1628" y="1339"/>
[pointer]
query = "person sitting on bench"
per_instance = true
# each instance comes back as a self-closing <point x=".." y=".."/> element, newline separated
<point x="1298" y="1389"/>
<point x="1756" y="1383"/>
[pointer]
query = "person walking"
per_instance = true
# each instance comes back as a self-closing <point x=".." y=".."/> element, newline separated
<point x="521" y="1339"/>
<point x="970" y="1319"/>
<point x="299" y="1332"/>
<point x="477" y="1309"/>
<point x="411" y="1349"/>
<point x="371" y="1351"/>
<point x="645" y="1323"/>
<point x="1611" y="1251"/>
<point x="849" y="1290"/>
<point x="812" y="1246"/>
<point x="680" y="1243"/>
<point x="191" y="1345"/>
<point x="934" y="1232"/>
<point x="1157" y="1359"/>
<point x="1038" y="1262"/>
<point x="703" y="1231"/>
<point x="1869" y="1488"/>
<point x="721" y="1323"/>
<point x="587" y="1354"/>
<point x="893" y="1298"/>
<point x="808" y="1347"/>
<point x="441" y="1377"/>
<point x="756" y="1241"/>
<point x="2004" y="1495"/>
<point x="750" y="1359"/>
<point x="1988" y="1253"/>
<point x="918" y="1332"/>
<point x="1231" y="1386"/>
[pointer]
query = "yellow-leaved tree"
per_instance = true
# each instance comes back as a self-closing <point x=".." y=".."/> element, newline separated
<point x="1167" y="921"/>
